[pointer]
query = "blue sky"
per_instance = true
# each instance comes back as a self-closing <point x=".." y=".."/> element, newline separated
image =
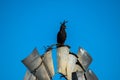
<point x="93" y="25"/>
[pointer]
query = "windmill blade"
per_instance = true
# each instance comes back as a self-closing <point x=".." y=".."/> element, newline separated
<point x="77" y="68"/>
<point x="71" y="65"/>
<point x="78" y="75"/>
<point x="90" y="75"/>
<point x="84" y="58"/>
<point x="32" y="61"/>
<point x="35" y="65"/>
<point x="62" y="58"/>
<point x="29" y="76"/>
<point x="48" y="62"/>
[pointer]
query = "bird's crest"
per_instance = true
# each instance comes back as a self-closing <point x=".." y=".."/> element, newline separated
<point x="63" y="26"/>
<point x="63" y="23"/>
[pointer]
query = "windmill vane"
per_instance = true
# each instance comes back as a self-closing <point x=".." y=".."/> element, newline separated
<point x="71" y="66"/>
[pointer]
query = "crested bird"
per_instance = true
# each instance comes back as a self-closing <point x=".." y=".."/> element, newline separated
<point x="61" y="36"/>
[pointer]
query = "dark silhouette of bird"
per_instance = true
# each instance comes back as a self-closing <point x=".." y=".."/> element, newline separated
<point x="61" y="36"/>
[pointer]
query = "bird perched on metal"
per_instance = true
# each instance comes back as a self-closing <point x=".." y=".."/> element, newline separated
<point x="61" y="36"/>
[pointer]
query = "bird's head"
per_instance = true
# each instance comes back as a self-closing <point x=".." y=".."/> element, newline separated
<point x="63" y="26"/>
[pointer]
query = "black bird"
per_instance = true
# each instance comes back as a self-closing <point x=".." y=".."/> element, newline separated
<point x="61" y="36"/>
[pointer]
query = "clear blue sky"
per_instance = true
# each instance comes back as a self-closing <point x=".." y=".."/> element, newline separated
<point x="93" y="25"/>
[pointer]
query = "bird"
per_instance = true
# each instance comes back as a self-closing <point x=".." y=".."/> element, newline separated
<point x="61" y="36"/>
